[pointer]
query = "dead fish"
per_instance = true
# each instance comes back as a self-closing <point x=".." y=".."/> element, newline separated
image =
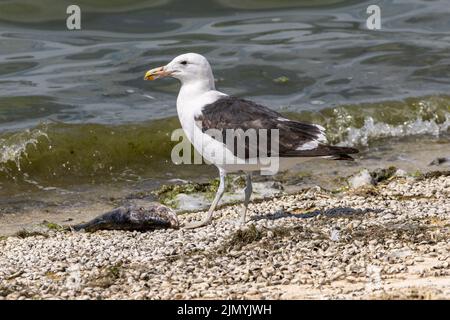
<point x="139" y="218"/>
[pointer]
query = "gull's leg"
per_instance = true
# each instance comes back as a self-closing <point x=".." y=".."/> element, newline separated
<point x="248" y="192"/>
<point x="219" y="194"/>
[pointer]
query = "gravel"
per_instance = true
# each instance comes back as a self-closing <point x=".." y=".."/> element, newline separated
<point x="388" y="241"/>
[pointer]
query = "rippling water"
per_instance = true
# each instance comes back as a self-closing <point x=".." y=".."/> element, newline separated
<point x="73" y="104"/>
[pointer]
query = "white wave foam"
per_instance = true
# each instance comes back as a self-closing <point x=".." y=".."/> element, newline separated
<point x="375" y="130"/>
<point x="14" y="147"/>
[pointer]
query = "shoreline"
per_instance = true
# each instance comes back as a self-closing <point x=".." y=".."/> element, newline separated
<point x="387" y="241"/>
<point x="78" y="203"/>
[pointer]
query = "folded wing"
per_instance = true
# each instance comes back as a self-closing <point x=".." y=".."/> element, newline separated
<point x="243" y="118"/>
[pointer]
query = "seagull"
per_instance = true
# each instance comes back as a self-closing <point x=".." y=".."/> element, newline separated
<point x="203" y="111"/>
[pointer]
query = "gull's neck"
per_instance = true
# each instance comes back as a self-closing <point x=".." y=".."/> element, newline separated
<point x="193" y="96"/>
<point x="194" y="89"/>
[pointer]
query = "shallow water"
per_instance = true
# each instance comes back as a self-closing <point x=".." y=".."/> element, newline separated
<point x="75" y="113"/>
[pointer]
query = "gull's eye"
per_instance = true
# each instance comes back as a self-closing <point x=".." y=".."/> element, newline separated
<point x="184" y="62"/>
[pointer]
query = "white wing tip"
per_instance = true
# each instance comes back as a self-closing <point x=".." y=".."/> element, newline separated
<point x="310" y="145"/>
<point x="321" y="137"/>
<point x="318" y="126"/>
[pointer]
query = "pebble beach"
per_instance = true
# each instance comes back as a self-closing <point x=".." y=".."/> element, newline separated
<point x="389" y="241"/>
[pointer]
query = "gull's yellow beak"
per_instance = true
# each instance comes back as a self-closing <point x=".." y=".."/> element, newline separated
<point x="156" y="73"/>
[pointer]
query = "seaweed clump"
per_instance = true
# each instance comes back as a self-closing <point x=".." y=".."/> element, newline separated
<point x="381" y="175"/>
<point x="433" y="174"/>
<point x="167" y="193"/>
<point x="22" y="234"/>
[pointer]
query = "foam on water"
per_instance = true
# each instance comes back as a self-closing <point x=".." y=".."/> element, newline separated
<point x="372" y="130"/>
<point x="14" y="148"/>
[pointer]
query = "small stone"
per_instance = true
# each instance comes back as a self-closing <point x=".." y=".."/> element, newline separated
<point x="361" y="179"/>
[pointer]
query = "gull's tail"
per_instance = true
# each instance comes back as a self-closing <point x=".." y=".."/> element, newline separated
<point x="325" y="151"/>
<point x="342" y="153"/>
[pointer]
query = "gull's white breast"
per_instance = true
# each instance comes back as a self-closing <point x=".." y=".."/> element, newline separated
<point x="189" y="107"/>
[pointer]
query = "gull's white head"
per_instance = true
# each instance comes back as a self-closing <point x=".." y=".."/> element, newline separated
<point x="188" y="68"/>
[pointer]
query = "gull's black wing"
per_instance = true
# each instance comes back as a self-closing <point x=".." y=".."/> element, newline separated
<point x="295" y="139"/>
